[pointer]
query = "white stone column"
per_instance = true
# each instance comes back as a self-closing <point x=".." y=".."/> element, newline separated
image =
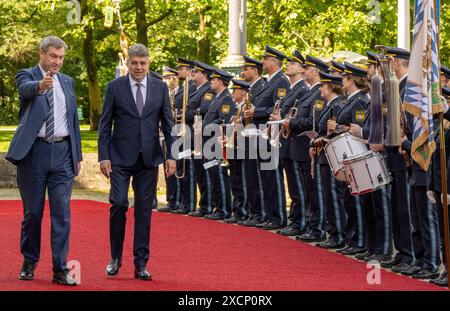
<point x="237" y="34"/>
<point x="404" y="25"/>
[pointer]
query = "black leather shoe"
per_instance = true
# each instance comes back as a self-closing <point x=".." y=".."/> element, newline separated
<point x="343" y="249"/>
<point x="441" y="281"/>
<point x="351" y="251"/>
<point x="290" y="231"/>
<point x="364" y="255"/>
<point x="214" y="216"/>
<point x="309" y="238"/>
<point x="166" y="209"/>
<point x="63" y="278"/>
<point x="401" y="267"/>
<point x="196" y="214"/>
<point x="330" y="244"/>
<point x="388" y="264"/>
<point x="27" y="271"/>
<point x="262" y="224"/>
<point x="412" y="270"/>
<point x="142" y="274"/>
<point x="231" y="220"/>
<point x="425" y="274"/>
<point x="249" y="223"/>
<point x="271" y="226"/>
<point x="113" y="266"/>
<point x="378" y="258"/>
<point x="180" y="211"/>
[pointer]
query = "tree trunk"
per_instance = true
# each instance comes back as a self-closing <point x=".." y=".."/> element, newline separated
<point x="204" y="43"/>
<point x="141" y="22"/>
<point x="95" y="104"/>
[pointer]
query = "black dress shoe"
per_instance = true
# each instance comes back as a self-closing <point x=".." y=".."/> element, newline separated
<point x="330" y="244"/>
<point x="412" y="270"/>
<point x="262" y="224"/>
<point x="63" y="278"/>
<point x="249" y="223"/>
<point x="378" y="257"/>
<point x="290" y="231"/>
<point x="271" y="226"/>
<point x="142" y="274"/>
<point x="343" y="249"/>
<point x="364" y="255"/>
<point x="231" y="220"/>
<point x="180" y="211"/>
<point x="113" y="266"/>
<point x="401" y="267"/>
<point x="309" y="238"/>
<point x="351" y="251"/>
<point x="214" y="216"/>
<point x="196" y="214"/>
<point x="425" y="274"/>
<point x="27" y="271"/>
<point x="388" y="264"/>
<point x="441" y="281"/>
<point x="166" y="209"/>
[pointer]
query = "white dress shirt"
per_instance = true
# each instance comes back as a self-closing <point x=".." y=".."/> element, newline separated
<point x="59" y="108"/>
<point x="143" y="88"/>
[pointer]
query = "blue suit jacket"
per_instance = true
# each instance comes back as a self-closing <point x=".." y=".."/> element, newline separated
<point x="122" y="133"/>
<point x="33" y="113"/>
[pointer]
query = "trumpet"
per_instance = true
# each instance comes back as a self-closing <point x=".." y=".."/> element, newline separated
<point x="197" y="133"/>
<point x="182" y="125"/>
<point x="247" y="105"/>
<point x="236" y="122"/>
<point x="223" y="128"/>
<point x="269" y="130"/>
<point x="284" y="132"/>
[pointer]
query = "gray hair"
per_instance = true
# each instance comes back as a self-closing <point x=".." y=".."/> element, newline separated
<point x="52" y="41"/>
<point x="138" y="50"/>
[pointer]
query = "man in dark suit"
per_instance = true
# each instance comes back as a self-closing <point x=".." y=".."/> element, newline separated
<point x="135" y="104"/>
<point x="46" y="148"/>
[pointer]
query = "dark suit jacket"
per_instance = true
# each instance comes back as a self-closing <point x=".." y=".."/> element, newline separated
<point x="33" y="113"/>
<point x="122" y="133"/>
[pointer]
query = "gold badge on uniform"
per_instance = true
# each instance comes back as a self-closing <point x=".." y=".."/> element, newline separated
<point x="208" y="96"/>
<point x="226" y="109"/>
<point x="360" y="115"/>
<point x="318" y="104"/>
<point x="281" y="92"/>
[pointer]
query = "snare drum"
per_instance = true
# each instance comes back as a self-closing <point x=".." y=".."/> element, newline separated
<point x="342" y="147"/>
<point x="366" y="173"/>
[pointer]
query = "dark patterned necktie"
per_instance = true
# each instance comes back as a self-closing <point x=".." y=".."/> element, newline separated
<point x="139" y="99"/>
<point x="50" y="122"/>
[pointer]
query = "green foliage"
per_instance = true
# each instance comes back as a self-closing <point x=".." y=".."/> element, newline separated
<point x="319" y="27"/>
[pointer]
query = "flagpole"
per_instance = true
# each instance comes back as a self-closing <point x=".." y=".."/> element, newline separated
<point x="443" y="164"/>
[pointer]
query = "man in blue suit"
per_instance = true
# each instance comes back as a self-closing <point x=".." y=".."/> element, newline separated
<point x="136" y="104"/>
<point x="46" y="148"/>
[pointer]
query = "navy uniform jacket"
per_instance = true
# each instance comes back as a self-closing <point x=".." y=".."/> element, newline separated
<point x="201" y="99"/>
<point x="178" y="98"/>
<point x="294" y="93"/>
<point x="132" y="133"/>
<point x="256" y="88"/>
<point x="355" y="111"/>
<point x="331" y="111"/>
<point x="268" y="95"/>
<point x="33" y="113"/>
<point x="304" y="122"/>
<point x="221" y="109"/>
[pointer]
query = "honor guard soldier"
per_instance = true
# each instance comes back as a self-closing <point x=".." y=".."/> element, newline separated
<point x="198" y="104"/>
<point x="331" y="90"/>
<point x="356" y="85"/>
<point x="189" y="193"/>
<point x="295" y="72"/>
<point x="251" y="72"/>
<point x="238" y="179"/>
<point x="309" y="106"/>
<point x="173" y="191"/>
<point x="271" y="212"/>
<point x="336" y="68"/>
<point x="220" y="111"/>
<point x="445" y="76"/>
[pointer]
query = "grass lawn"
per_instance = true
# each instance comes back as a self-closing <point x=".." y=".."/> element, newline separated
<point x="88" y="139"/>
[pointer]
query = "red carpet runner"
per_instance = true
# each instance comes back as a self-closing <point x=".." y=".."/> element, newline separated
<point x="188" y="254"/>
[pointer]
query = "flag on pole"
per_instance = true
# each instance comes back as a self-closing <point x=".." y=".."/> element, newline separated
<point x="422" y="93"/>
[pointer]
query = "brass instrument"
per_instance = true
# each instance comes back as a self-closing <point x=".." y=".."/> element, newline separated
<point x="223" y="128"/>
<point x="182" y="125"/>
<point x="236" y="123"/>
<point x="197" y="133"/>
<point x="268" y="132"/>
<point x="247" y="105"/>
<point x="284" y="132"/>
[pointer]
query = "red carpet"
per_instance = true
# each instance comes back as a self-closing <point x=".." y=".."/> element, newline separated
<point x="188" y="254"/>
